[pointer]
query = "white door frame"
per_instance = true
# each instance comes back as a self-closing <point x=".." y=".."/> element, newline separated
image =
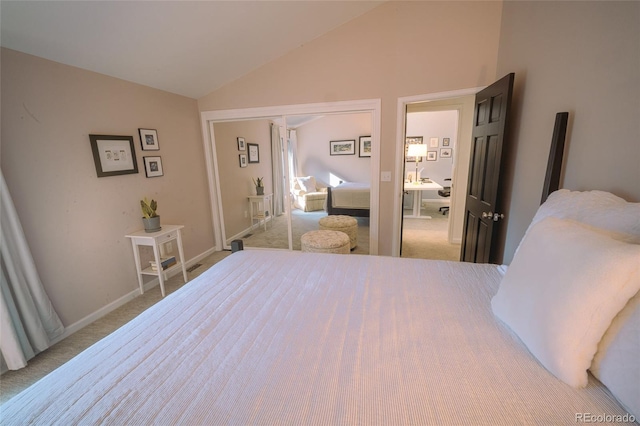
<point x="209" y="118"/>
<point x="400" y="142"/>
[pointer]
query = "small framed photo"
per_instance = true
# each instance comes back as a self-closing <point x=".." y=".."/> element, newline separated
<point x="153" y="166"/>
<point x="446" y="141"/>
<point x="113" y="155"/>
<point x="433" y="142"/>
<point x="243" y="160"/>
<point x="254" y="152"/>
<point x="432" y="156"/>
<point x="365" y="146"/>
<point x="445" y="152"/>
<point x="242" y="146"/>
<point x="149" y="139"/>
<point x="345" y="147"/>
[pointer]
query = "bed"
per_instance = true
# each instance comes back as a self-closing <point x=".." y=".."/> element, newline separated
<point x="349" y="198"/>
<point x="277" y="337"/>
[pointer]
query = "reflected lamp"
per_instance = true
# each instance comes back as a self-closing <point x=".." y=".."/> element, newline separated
<point x="417" y="150"/>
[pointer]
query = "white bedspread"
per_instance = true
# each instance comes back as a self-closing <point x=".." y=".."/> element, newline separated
<point x="273" y="338"/>
<point x="351" y="195"/>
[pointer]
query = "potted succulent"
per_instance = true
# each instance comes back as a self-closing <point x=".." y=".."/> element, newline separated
<point x="150" y="218"/>
<point x="259" y="183"/>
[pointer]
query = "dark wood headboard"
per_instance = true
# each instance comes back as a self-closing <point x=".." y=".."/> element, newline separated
<point x="556" y="153"/>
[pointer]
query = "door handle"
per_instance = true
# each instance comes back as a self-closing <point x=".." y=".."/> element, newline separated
<point x="494" y="216"/>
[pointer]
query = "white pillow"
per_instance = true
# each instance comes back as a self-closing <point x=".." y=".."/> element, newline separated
<point x="562" y="290"/>
<point x="617" y="362"/>
<point x="596" y="209"/>
<point x="307" y="184"/>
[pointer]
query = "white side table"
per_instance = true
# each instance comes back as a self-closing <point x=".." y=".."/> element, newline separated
<point x="262" y="209"/>
<point x="154" y="239"/>
<point x="417" y="189"/>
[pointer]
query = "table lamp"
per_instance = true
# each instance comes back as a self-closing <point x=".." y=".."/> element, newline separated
<point x="418" y="151"/>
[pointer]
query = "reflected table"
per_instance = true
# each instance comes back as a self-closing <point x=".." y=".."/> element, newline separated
<point x="418" y="187"/>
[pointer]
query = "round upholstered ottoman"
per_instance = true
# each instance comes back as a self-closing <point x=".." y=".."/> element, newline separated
<point x="324" y="241"/>
<point x="346" y="224"/>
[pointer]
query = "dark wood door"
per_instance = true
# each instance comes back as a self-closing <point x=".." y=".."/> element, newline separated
<point x="483" y="200"/>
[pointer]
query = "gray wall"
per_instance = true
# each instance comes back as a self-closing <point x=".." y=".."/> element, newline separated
<point x="313" y="148"/>
<point x="75" y="223"/>
<point x="581" y="57"/>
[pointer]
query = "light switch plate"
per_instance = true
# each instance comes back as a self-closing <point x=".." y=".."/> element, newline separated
<point x="385" y="176"/>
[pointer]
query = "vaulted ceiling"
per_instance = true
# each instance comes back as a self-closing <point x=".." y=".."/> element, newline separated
<point x="189" y="48"/>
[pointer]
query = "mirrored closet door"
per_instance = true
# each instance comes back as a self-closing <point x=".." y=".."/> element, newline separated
<point x="251" y="160"/>
<point x="254" y="161"/>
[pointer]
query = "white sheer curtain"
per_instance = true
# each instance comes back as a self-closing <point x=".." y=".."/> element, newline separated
<point x="293" y="153"/>
<point x="28" y="323"/>
<point x="277" y="161"/>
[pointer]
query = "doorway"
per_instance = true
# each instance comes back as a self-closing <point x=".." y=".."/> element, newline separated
<point x="280" y="114"/>
<point x="460" y="103"/>
<point x="427" y="185"/>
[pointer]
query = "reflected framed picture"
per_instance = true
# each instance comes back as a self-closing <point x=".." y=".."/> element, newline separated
<point x="445" y="152"/>
<point x="149" y="139"/>
<point x="446" y="141"/>
<point x="243" y="160"/>
<point x="254" y="152"/>
<point x="345" y="147"/>
<point x="365" y="146"/>
<point x="153" y="166"/>
<point x="113" y="155"/>
<point x="242" y="146"/>
<point x="432" y="156"/>
<point x="433" y="143"/>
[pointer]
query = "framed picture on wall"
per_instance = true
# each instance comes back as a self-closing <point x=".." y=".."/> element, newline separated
<point x="242" y="146"/>
<point x="254" y="152"/>
<point x="446" y="141"/>
<point x="243" y="160"/>
<point x="365" y="146"/>
<point x="153" y="166"/>
<point x="445" y="152"/>
<point x="345" y="147"/>
<point x="432" y="156"/>
<point x="113" y="155"/>
<point x="410" y="140"/>
<point x="433" y="143"/>
<point x="149" y="139"/>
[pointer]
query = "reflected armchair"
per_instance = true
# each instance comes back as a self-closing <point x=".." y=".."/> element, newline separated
<point x="307" y="194"/>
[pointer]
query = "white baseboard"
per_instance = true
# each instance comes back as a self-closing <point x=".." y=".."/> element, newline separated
<point x="70" y="329"/>
<point x="241" y="234"/>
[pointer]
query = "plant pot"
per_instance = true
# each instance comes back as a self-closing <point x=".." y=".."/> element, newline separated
<point x="151" y="224"/>
<point x="260" y="190"/>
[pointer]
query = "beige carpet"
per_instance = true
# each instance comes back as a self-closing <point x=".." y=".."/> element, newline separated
<point x="428" y="238"/>
<point x="276" y="235"/>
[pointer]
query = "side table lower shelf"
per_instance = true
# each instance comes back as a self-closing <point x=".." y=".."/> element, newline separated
<point x="154" y="239"/>
<point x="151" y="271"/>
